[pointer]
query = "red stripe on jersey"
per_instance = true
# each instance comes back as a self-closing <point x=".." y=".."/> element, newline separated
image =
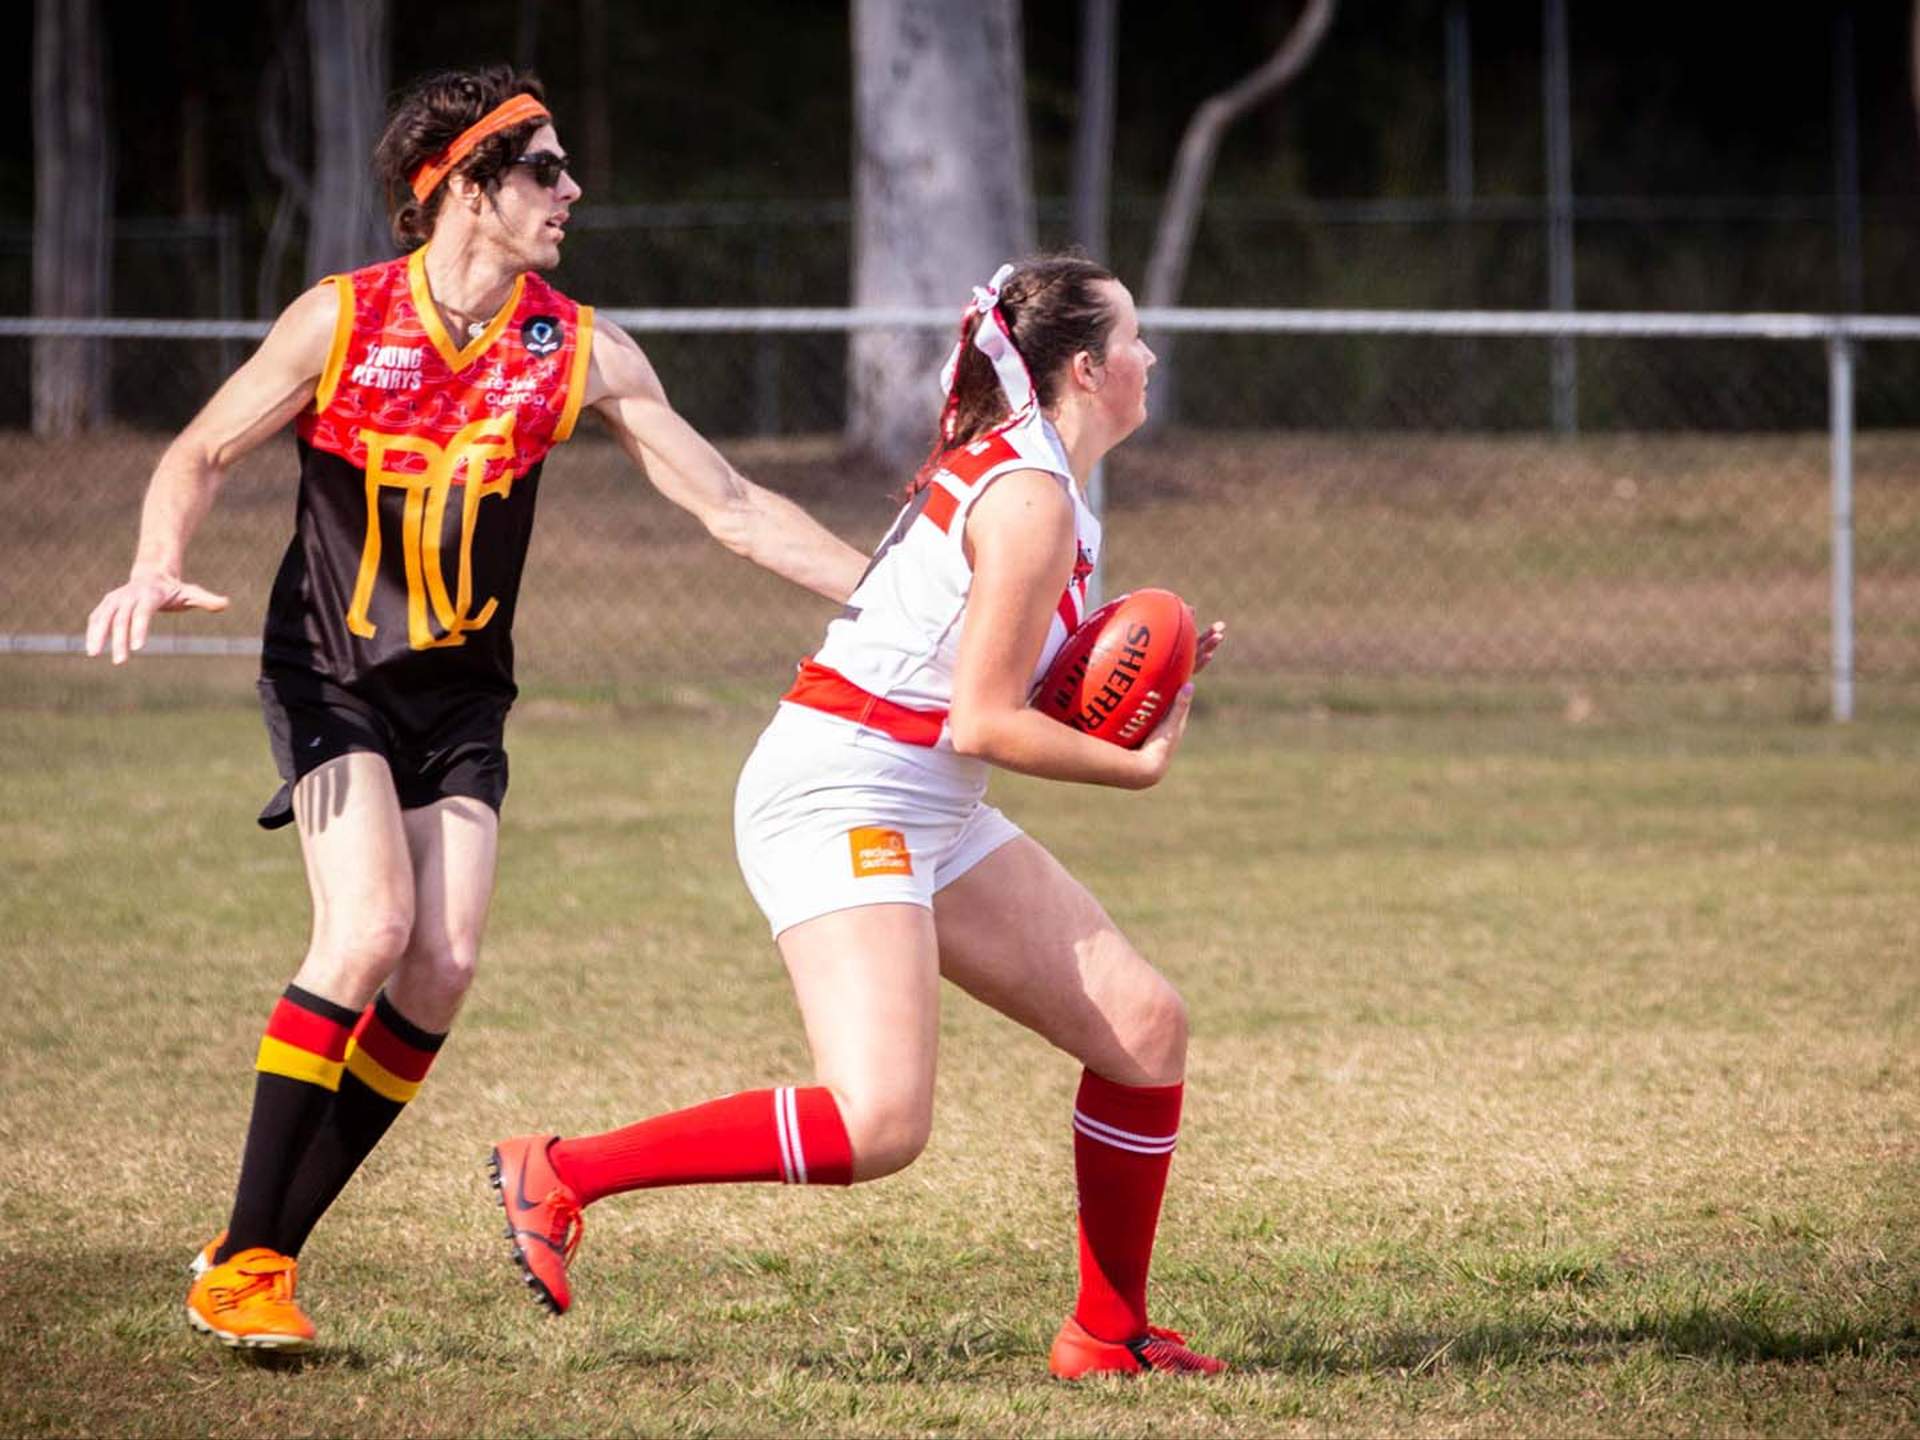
<point x="940" y="506"/>
<point x="1069" y="612"/>
<point x="819" y="687"/>
<point x="394" y="1054"/>
<point x="304" y="1030"/>
<point x="970" y="462"/>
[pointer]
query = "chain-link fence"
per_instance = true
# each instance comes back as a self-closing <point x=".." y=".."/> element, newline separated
<point x="1678" y="253"/>
<point x="1360" y="494"/>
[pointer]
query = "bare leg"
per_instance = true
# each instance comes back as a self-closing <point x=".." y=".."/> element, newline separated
<point x="362" y="887"/>
<point x="360" y="875"/>
<point x="868" y="985"/>
<point x="868" y="982"/>
<point x="1020" y="934"/>
<point x="452" y="845"/>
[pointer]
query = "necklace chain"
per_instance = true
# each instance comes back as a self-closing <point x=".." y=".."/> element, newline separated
<point x="474" y="328"/>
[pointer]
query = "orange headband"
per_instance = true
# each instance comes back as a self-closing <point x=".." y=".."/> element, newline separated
<point x="517" y="111"/>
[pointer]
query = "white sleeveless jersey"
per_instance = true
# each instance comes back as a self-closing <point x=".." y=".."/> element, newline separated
<point x="899" y="636"/>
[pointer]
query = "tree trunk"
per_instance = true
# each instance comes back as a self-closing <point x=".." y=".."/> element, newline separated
<point x="1180" y="214"/>
<point x="1913" y="57"/>
<point x="1093" y="127"/>
<point x="71" y="212"/>
<point x="346" y="223"/>
<point x="283" y="108"/>
<point x="596" y="172"/>
<point x="942" y="194"/>
<point x="526" y="38"/>
<point x="193" y="113"/>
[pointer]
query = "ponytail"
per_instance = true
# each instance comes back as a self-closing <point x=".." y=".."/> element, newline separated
<point x="1018" y="334"/>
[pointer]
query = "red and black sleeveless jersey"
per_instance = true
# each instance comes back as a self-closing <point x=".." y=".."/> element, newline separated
<point x="419" y="465"/>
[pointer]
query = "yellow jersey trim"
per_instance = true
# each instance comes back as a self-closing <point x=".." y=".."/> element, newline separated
<point x="337" y="354"/>
<point x="457" y="359"/>
<point x="577" y="377"/>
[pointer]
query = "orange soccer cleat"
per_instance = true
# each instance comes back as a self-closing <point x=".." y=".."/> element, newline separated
<point x="543" y="1216"/>
<point x="247" y="1302"/>
<point x="1076" y="1354"/>
<point x="203" y="1258"/>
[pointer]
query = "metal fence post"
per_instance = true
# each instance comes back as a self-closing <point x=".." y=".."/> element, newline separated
<point x="1557" y="93"/>
<point x="1092" y="179"/>
<point x="1459" y="67"/>
<point x="1840" y="407"/>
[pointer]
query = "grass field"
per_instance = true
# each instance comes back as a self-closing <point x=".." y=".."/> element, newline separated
<point x="1550" y="1079"/>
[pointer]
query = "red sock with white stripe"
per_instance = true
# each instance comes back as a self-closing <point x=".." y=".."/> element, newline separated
<point x="791" y="1135"/>
<point x="1123" y="1139"/>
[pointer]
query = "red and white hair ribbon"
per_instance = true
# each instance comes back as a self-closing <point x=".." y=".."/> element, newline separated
<point x="991" y="338"/>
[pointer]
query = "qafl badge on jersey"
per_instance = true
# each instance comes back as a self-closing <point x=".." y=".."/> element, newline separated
<point x="541" y="335"/>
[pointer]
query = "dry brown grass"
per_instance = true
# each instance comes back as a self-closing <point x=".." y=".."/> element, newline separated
<point x="1548" y="1080"/>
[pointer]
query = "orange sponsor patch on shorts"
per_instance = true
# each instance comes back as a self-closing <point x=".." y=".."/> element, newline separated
<point x="878" y="852"/>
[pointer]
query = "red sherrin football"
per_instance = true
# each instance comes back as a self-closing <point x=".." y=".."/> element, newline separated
<point x="1118" y="673"/>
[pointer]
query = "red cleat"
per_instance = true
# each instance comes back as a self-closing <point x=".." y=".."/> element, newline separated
<point x="1076" y="1354"/>
<point x="543" y="1216"/>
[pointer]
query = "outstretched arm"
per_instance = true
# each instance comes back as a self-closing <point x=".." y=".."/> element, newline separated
<point x="260" y="397"/>
<point x="766" y="528"/>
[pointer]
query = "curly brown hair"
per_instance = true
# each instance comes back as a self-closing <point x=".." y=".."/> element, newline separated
<point x="426" y="119"/>
<point x="1054" y="309"/>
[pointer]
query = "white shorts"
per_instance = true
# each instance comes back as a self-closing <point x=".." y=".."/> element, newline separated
<point x="829" y="816"/>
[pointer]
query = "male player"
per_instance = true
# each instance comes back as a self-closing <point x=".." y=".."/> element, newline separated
<point x="425" y="394"/>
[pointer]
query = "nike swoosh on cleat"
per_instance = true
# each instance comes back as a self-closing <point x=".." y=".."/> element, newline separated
<point x="519" y="1184"/>
<point x="515" y="1234"/>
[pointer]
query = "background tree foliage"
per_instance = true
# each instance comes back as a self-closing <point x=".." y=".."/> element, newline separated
<point x="1707" y="168"/>
<point x="753" y="100"/>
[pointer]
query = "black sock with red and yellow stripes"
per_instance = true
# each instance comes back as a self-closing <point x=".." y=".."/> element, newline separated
<point x="385" y="1064"/>
<point x="299" y="1067"/>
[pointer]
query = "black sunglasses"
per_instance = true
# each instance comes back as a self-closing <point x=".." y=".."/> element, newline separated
<point x="545" y="167"/>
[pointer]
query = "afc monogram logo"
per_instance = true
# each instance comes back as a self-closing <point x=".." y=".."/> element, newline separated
<point x="421" y="524"/>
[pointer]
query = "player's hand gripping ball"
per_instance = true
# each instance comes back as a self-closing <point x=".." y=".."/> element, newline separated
<point x="1120" y="671"/>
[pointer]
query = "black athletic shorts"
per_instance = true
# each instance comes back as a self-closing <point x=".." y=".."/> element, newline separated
<point x="311" y="720"/>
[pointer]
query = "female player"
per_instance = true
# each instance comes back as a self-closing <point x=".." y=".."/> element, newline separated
<point x="426" y="392"/>
<point x="864" y="837"/>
